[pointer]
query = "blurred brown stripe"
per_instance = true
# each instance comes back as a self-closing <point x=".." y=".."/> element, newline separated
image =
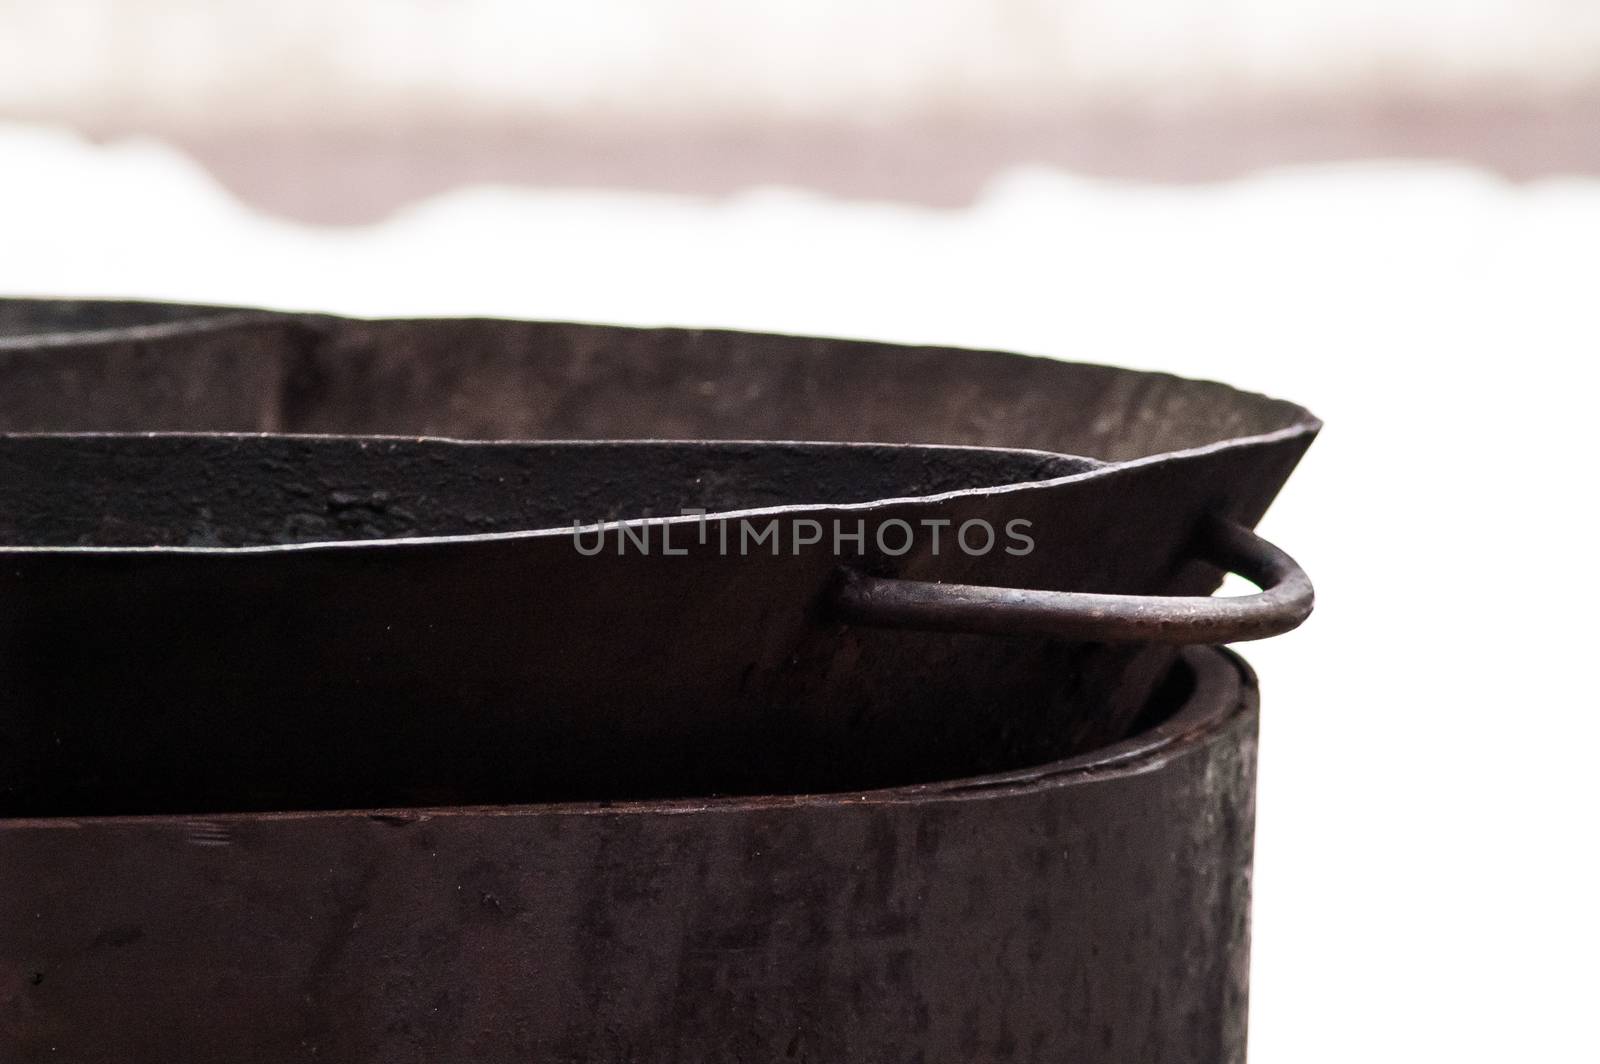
<point x="362" y="173"/>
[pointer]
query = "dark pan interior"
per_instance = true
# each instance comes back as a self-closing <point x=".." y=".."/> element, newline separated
<point x="504" y="671"/>
<point x="21" y="318"/>
<point x="84" y="367"/>
<point x="431" y="757"/>
<point x="233" y="491"/>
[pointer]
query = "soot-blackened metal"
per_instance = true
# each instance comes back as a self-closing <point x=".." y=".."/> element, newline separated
<point x="522" y="870"/>
<point x="1094" y="910"/>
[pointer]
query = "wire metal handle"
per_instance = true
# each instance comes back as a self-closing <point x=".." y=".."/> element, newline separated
<point x="1285" y="600"/>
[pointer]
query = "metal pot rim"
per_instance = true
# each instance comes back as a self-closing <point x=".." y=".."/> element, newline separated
<point x="1303" y="430"/>
<point x="1223" y="687"/>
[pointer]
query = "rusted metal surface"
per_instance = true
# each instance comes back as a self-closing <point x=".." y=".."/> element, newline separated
<point x="1093" y="910"/>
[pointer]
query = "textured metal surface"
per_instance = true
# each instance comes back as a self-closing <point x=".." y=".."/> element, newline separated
<point x="1092" y="910"/>
<point x="330" y="744"/>
<point x="346" y="592"/>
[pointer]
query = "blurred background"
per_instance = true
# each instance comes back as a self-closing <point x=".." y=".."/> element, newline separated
<point x="1387" y="210"/>
<point x="341" y="112"/>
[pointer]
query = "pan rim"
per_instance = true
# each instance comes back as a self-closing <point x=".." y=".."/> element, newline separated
<point x="1306" y="430"/>
<point x="1303" y="425"/>
<point x="1224" y="688"/>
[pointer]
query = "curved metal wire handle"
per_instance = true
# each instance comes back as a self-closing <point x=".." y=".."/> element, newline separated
<point x="1284" y="602"/>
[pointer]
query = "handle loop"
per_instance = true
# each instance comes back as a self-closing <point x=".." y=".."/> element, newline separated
<point x="1284" y="602"/>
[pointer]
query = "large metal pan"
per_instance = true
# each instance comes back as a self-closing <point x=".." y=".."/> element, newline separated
<point x="388" y="595"/>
